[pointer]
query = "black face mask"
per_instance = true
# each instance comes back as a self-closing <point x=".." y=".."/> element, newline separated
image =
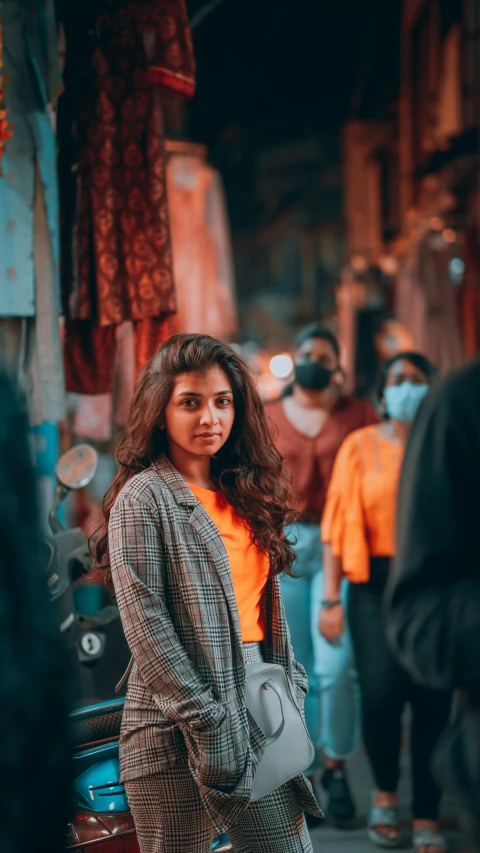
<point x="312" y="375"/>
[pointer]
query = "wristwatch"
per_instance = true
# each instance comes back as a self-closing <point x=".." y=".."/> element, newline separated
<point x="329" y="603"/>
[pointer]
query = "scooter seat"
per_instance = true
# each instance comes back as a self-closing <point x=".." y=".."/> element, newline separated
<point x="96" y="722"/>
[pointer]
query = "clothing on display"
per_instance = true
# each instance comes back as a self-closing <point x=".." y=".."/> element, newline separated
<point x="116" y="253"/>
<point x="427" y="305"/>
<point x="204" y="283"/>
<point x="202" y="258"/>
<point x="5" y="129"/>
<point x="90" y="351"/>
<point x="97" y="414"/>
<point x="470" y="297"/>
<point x="29" y="246"/>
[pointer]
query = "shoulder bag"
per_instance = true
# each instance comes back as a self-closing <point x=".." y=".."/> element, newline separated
<point x="272" y="702"/>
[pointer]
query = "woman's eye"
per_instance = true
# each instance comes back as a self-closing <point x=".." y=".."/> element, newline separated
<point x="189" y="404"/>
<point x="223" y="401"/>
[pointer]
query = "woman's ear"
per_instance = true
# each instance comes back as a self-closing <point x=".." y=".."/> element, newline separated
<point x="339" y="376"/>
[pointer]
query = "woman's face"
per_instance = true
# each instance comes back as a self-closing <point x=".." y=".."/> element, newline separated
<point x="404" y="371"/>
<point x="316" y="365"/>
<point x="405" y="388"/>
<point x="319" y="350"/>
<point x="200" y="413"/>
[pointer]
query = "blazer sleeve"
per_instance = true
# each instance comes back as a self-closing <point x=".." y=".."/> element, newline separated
<point x="433" y="596"/>
<point x="137" y="554"/>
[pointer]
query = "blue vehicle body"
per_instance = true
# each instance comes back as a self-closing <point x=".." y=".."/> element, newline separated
<point x="97" y="790"/>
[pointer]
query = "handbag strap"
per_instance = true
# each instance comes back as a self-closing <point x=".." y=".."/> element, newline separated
<point x="273" y="737"/>
<point x="289" y="663"/>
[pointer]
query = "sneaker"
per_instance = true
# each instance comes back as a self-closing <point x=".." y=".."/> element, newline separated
<point x="340" y="807"/>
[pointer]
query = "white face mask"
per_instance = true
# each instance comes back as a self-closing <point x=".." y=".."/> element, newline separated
<point x="403" y="401"/>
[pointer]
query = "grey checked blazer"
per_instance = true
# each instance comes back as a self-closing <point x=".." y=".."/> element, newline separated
<point x="186" y="691"/>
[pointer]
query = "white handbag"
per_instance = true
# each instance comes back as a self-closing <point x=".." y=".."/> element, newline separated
<point x="272" y="702"/>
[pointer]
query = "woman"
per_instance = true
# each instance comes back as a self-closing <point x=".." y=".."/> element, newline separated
<point x="310" y="426"/>
<point x="358" y="531"/>
<point x="195" y="543"/>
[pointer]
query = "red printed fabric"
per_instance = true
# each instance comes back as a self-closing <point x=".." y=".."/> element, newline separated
<point x="90" y="352"/>
<point x="117" y="259"/>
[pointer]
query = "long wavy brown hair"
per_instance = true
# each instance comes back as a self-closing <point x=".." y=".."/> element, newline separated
<point x="249" y="468"/>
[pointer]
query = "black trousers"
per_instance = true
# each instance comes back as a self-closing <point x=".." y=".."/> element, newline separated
<point x="386" y="689"/>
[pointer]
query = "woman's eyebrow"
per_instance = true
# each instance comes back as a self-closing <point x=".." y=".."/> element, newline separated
<point x="196" y="394"/>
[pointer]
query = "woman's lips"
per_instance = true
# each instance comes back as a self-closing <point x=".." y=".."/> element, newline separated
<point x="208" y="435"/>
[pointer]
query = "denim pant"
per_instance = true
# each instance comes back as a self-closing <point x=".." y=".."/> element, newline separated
<point x="332" y="708"/>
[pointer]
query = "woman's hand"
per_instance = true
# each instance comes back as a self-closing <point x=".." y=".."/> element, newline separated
<point x="332" y="623"/>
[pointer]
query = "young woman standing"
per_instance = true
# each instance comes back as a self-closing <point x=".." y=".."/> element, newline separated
<point x="195" y="544"/>
<point x="358" y="530"/>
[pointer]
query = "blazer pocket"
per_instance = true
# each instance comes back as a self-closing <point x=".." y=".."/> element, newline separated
<point x="217" y="755"/>
<point x="163" y="744"/>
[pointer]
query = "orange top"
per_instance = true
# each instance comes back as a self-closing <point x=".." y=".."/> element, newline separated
<point x="249" y="566"/>
<point x="361" y="508"/>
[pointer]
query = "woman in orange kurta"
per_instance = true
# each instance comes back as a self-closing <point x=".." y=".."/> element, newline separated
<point x="358" y="530"/>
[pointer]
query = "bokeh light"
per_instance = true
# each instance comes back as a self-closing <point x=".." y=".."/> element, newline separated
<point x="281" y="365"/>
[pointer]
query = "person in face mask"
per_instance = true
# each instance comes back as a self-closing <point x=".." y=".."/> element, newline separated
<point x="309" y="426"/>
<point x="358" y="530"/>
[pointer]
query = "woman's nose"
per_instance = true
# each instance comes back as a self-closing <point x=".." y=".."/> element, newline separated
<point x="209" y="415"/>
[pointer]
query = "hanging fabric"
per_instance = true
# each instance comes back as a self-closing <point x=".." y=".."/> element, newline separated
<point x="29" y="245"/>
<point x="449" y="121"/>
<point x="116" y="251"/>
<point x="202" y="256"/>
<point x="427" y="304"/>
<point x="470" y="296"/>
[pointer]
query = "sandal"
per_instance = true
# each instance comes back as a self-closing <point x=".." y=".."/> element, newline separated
<point x="383" y="816"/>
<point x="429" y="838"/>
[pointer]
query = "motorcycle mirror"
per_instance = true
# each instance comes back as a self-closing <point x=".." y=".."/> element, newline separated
<point x="77" y="467"/>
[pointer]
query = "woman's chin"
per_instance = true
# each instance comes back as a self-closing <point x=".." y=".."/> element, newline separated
<point x="200" y="449"/>
<point x="207" y="451"/>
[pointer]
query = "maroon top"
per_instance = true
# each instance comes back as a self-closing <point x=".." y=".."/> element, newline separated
<point x="311" y="459"/>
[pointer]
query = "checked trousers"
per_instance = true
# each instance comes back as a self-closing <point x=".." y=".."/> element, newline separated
<point x="170" y="818"/>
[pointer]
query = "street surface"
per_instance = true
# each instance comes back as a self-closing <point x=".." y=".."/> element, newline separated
<point x="326" y="839"/>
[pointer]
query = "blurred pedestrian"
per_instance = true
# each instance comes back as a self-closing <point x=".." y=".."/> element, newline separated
<point x="309" y="426"/>
<point x="434" y="590"/>
<point x="35" y="759"/>
<point x="358" y="530"/>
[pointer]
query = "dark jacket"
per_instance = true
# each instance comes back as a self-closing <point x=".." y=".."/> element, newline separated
<point x="433" y="598"/>
<point x="35" y="766"/>
<point x="434" y="591"/>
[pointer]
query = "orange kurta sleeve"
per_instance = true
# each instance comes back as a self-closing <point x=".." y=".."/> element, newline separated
<point x="343" y="522"/>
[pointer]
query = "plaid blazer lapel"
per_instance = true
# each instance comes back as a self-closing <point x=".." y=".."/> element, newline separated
<point x="177" y="485"/>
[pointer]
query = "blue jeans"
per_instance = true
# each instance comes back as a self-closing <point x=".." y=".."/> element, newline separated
<point x="332" y="707"/>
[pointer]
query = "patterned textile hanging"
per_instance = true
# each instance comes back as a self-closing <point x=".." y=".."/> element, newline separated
<point x="6" y="132"/>
<point x="116" y="250"/>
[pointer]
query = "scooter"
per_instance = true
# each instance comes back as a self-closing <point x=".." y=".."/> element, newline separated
<point x="94" y="640"/>
<point x="101" y="820"/>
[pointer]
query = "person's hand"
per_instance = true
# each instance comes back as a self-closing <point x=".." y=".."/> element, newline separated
<point x="332" y="623"/>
